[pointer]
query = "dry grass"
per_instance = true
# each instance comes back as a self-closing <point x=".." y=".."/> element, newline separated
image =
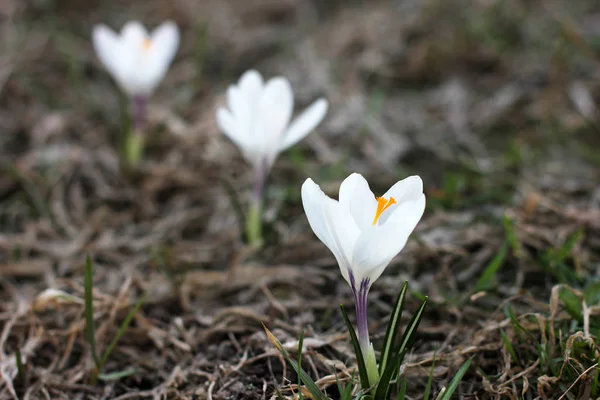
<point x="491" y="102"/>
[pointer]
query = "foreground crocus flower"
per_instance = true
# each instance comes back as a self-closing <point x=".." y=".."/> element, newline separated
<point x="364" y="233"/>
<point x="258" y="121"/>
<point x="138" y="61"/>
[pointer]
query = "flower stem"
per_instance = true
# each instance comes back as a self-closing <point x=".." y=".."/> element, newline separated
<point x="360" y="305"/>
<point x="134" y="141"/>
<point x="134" y="147"/>
<point x="139" y="111"/>
<point x="254" y="218"/>
<point x="254" y="223"/>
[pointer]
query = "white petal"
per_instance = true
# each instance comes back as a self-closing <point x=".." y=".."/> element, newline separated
<point x="240" y="108"/>
<point x="376" y="247"/>
<point x="153" y="61"/>
<point x="106" y="44"/>
<point x="356" y="196"/>
<point x="149" y="56"/>
<point x="407" y="189"/>
<point x="408" y="213"/>
<point x="273" y="115"/>
<point x="251" y="85"/>
<point x="304" y="123"/>
<point x="331" y="223"/>
<point x="164" y="43"/>
<point x="139" y="75"/>
<point x="133" y="33"/>
<point x="230" y="128"/>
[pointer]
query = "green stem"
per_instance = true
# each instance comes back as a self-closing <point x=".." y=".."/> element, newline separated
<point x="371" y="364"/>
<point x="133" y="144"/>
<point x="254" y="223"/>
<point x="254" y="218"/>
<point x="134" y="148"/>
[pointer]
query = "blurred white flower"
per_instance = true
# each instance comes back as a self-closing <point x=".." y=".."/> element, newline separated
<point x="136" y="59"/>
<point x="258" y="118"/>
<point x="364" y="232"/>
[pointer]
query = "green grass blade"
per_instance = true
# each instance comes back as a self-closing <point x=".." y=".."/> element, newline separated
<point x="411" y="329"/>
<point x="345" y="391"/>
<point x="567" y="248"/>
<point x="20" y="367"/>
<point x="595" y="380"/>
<point x="120" y="332"/>
<point x="517" y="325"/>
<point x="447" y="394"/>
<point x="278" y="394"/>
<point x="339" y="387"/>
<point x="362" y="369"/>
<point x="430" y="379"/>
<point x="312" y="387"/>
<point x="401" y="388"/>
<point x="383" y="387"/>
<point x="509" y="346"/>
<point x="300" y="342"/>
<point x="486" y="279"/>
<point x="90" y="330"/>
<point x="115" y="376"/>
<point x="511" y="236"/>
<point x="392" y="329"/>
<point x="572" y="303"/>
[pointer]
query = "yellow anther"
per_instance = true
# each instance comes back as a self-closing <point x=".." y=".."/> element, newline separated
<point x="382" y="205"/>
<point x="146" y="44"/>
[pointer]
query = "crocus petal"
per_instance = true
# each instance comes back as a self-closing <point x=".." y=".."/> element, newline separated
<point x="133" y="33"/>
<point x="251" y="85"/>
<point x="164" y="43"/>
<point x="230" y="128"/>
<point x="408" y="213"/>
<point x="331" y="223"/>
<point x="274" y="112"/>
<point x="407" y="190"/>
<point x="240" y="108"/>
<point x="304" y="123"/>
<point x="356" y="197"/>
<point x="152" y="55"/>
<point x="376" y="247"/>
<point x="106" y="44"/>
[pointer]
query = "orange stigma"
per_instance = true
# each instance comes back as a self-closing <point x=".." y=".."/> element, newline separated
<point x="382" y="205"/>
<point x="146" y="44"/>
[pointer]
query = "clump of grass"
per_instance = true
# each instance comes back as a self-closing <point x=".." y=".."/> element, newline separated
<point x="556" y="353"/>
<point x="389" y="378"/>
<point x="90" y="332"/>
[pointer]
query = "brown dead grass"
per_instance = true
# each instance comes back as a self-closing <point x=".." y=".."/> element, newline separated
<point x="443" y="91"/>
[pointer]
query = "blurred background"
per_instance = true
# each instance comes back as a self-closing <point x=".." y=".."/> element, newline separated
<point x="492" y="102"/>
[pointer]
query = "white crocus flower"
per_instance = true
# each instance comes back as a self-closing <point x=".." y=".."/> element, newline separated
<point x="258" y="118"/>
<point x="258" y="121"/>
<point x="137" y="60"/>
<point x="364" y="232"/>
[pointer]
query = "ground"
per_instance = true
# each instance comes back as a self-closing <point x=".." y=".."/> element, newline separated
<point x="491" y="102"/>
